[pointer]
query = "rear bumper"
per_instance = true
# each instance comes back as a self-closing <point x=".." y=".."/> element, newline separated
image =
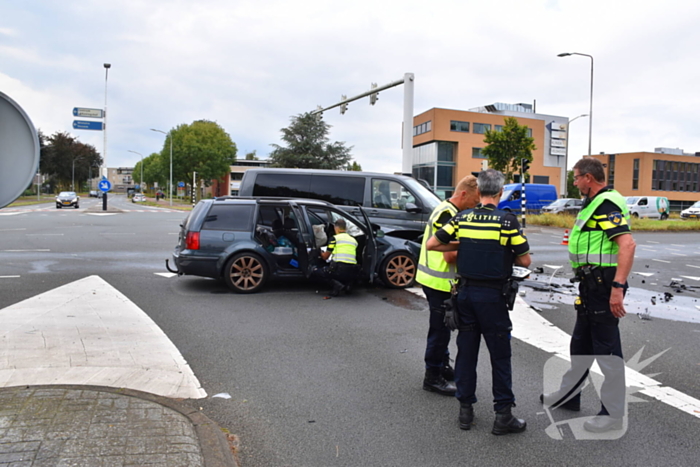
<point x="189" y="265"/>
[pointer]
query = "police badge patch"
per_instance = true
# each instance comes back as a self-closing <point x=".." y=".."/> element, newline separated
<point x="615" y="218"/>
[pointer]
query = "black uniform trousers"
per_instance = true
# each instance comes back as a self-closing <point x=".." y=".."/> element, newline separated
<point x="345" y="273"/>
<point x="437" y="351"/>
<point x="596" y="333"/>
<point x="483" y="311"/>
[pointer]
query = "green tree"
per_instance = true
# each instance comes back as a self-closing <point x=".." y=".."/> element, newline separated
<point x="63" y="157"/>
<point x="571" y="190"/>
<point x="506" y="148"/>
<point x="354" y="167"/>
<point x="251" y="156"/>
<point x="308" y="146"/>
<point x="203" y="147"/>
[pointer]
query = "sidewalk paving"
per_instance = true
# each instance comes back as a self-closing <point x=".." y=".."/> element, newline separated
<point x="96" y="426"/>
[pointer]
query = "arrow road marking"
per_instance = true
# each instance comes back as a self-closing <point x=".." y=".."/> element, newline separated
<point x="692" y="278"/>
<point x="87" y="332"/>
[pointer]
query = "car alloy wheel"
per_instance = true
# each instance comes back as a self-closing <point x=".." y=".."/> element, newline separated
<point x="398" y="271"/>
<point x="245" y="273"/>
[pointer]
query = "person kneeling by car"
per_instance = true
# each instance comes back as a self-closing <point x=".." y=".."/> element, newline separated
<point x="342" y="270"/>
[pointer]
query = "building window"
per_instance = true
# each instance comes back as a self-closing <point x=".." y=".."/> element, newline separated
<point x="459" y="126"/>
<point x="422" y="128"/>
<point x="477" y="154"/>
<point x="635" y="175"/>
<point x="611" y="170"/>
<point x="446" y="151"/>
<point x="543" y="179"/>
<point x="675" y="176"/>
<point x="481" y="128"/>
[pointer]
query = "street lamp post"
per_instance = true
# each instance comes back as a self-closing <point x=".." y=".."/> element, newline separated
<point x="105" y="172"/>
<point x="590" y="110"/>
<point x="170" y="188"/>
<point x="141" y="182"/>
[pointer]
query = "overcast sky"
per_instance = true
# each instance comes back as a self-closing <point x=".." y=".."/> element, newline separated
<point x="251" y="65"/>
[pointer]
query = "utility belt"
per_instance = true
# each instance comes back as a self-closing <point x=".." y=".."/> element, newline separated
<point x="508" y="288"/>
<point x="595" y="277"/>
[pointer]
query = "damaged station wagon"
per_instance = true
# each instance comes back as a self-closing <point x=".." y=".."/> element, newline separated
<point x="248" y="241"/>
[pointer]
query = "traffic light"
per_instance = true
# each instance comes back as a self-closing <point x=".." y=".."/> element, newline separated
<point x="343" y="107"/>
<point x="374" y="97"/>
<point x="526" y="165"/>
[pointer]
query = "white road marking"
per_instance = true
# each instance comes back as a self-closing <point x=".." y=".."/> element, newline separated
<point x="8" y="277"/>
<point x="101" y="213"/>
<point x="165" y="274"/>
<point x="530" y="327"/>
<point x="693" y="266"/>
<point x="651" y="241"/>
<point x="10" y="230"/>
<point x="645" y="274"/>
<point x="9" y="213"/>
<point x="23" y="251"/>
<point x="692" y="277"/>
<point x="118" y="233"/>
<point x="44" y="235"/>
<point x="679" y="254"/>
<point x="675" y="244"/>
<point x="660" y="260"/>
<point x="87" y="332"/>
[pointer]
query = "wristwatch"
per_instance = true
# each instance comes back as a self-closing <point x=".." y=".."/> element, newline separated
<point x="619" y="285"/>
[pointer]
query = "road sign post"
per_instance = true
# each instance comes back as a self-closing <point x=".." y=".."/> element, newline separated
<point x="88" y="113"/>
<point x="104" y="185"/>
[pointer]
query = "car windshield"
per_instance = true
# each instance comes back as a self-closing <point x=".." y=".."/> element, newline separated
<point x="422" y="192"/>
<point x="558" y="203"/>
<point x="506" y="195"/>
<point x="67" y="194"/>
<point x="696" y="205"/>
<point x="632" y="199"/>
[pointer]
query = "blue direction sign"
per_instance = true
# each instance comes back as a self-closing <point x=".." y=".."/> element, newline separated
<point x="180" y="184"/>
<point x="87" y="113"/>
<point x="104" y="185"/>
<point x="87" y="125"/>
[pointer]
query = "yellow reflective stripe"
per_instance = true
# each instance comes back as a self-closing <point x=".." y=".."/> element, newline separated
<point x="480" y="234"/>
<point x="479" y="224"/>
<point x="517" y="240"/>
<point x="591" y="224"/>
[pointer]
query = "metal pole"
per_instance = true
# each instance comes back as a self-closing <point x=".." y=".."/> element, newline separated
<point x="407" y="143"/>
<point x="523" y="198"/>
<point x="590" y="112"/>
<point x="171" y="168"/>
<point x="194" y="183"/>
<point x="72" y="180"/>
<point x="104" y="131"/>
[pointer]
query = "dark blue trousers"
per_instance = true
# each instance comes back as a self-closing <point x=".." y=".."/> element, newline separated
<point x="483" y="311"/>
<point x="437" y="351"/>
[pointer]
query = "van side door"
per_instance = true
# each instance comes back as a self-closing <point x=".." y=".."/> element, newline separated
<point x="388" y="200"/>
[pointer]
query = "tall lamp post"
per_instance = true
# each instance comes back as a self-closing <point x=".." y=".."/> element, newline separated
<point x="590" y="110"/>
<point x="170" y="188"/>
<point x="141" y="182"/>
<point x="72" y="180"/>
<point x="105" y="172"/>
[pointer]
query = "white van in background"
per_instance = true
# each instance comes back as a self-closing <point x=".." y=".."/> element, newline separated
<point x="653" y="207"/>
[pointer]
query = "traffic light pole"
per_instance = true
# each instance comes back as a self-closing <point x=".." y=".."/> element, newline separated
<point x="523" y="197"/>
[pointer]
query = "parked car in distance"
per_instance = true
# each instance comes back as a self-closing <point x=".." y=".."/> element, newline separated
<point x="693" y="212"/>
<point x="396" y="202"/>
<point x="240" y="241"/>
<point x="93" y="193"/>
<point x="67" y="199"/>
<point x="564" y="206"/>
<point x="138" y="197"/>
<point x="653" y="207"/>
<point x="537" y="196"/>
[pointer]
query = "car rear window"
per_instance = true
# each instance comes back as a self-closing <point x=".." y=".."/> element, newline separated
<point x="229" y="217"/>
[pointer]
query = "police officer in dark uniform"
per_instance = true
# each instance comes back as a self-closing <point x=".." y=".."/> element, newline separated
<point x="601" y="251"/>
<point x="490" y="242"/>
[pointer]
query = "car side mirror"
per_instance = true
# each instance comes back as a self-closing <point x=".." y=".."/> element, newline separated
<point x="413" y="209"/>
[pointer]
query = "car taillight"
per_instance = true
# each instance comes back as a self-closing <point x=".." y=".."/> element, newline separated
<point x="192" y="241"/>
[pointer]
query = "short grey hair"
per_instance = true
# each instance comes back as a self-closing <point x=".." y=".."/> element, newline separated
<point x="490" y="182"/>
<point x="341" y="224"/>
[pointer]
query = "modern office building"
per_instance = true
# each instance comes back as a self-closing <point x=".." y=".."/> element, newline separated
<point x="665" y="172"/>
<point x="447" y="144"/>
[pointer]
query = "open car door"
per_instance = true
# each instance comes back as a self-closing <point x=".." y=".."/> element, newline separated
<point x="369" y="255"/>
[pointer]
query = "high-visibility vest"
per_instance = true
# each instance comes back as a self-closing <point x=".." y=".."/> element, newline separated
<point x="345" y="249"/>
<point x="593" y="246"/>
<point x="433" y="270"/>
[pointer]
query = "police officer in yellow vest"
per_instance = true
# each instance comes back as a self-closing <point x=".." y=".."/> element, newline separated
<point x="490" y="242"/>
<point x="342" y="271"/>
<point x="435" y="271"/>
<point x="601" y="251"/>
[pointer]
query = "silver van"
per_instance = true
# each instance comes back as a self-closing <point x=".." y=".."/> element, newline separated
<point x="396" y="203"/>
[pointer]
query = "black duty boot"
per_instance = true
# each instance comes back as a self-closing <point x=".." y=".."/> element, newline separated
<point x="466" y="416"/>
<point x="337" y="288"/>
<point x="552" y="399"/>
<point x="506" y="423"/>
<point x="434" y="382"/>
<point x="447" y="371"/>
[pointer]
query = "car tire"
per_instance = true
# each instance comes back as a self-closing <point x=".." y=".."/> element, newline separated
<point x="76" y="206"/>
<point x="58" y="207"/>
<point x="398" y="271"/>
<point x="245" y="273"/>
<point x="635" y="215"/>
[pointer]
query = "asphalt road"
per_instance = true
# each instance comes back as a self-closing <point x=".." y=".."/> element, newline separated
<point x="337" y="382"/>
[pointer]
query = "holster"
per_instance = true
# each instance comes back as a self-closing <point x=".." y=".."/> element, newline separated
<point x="451" y="319"/>
<point x="510" y="291"/>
